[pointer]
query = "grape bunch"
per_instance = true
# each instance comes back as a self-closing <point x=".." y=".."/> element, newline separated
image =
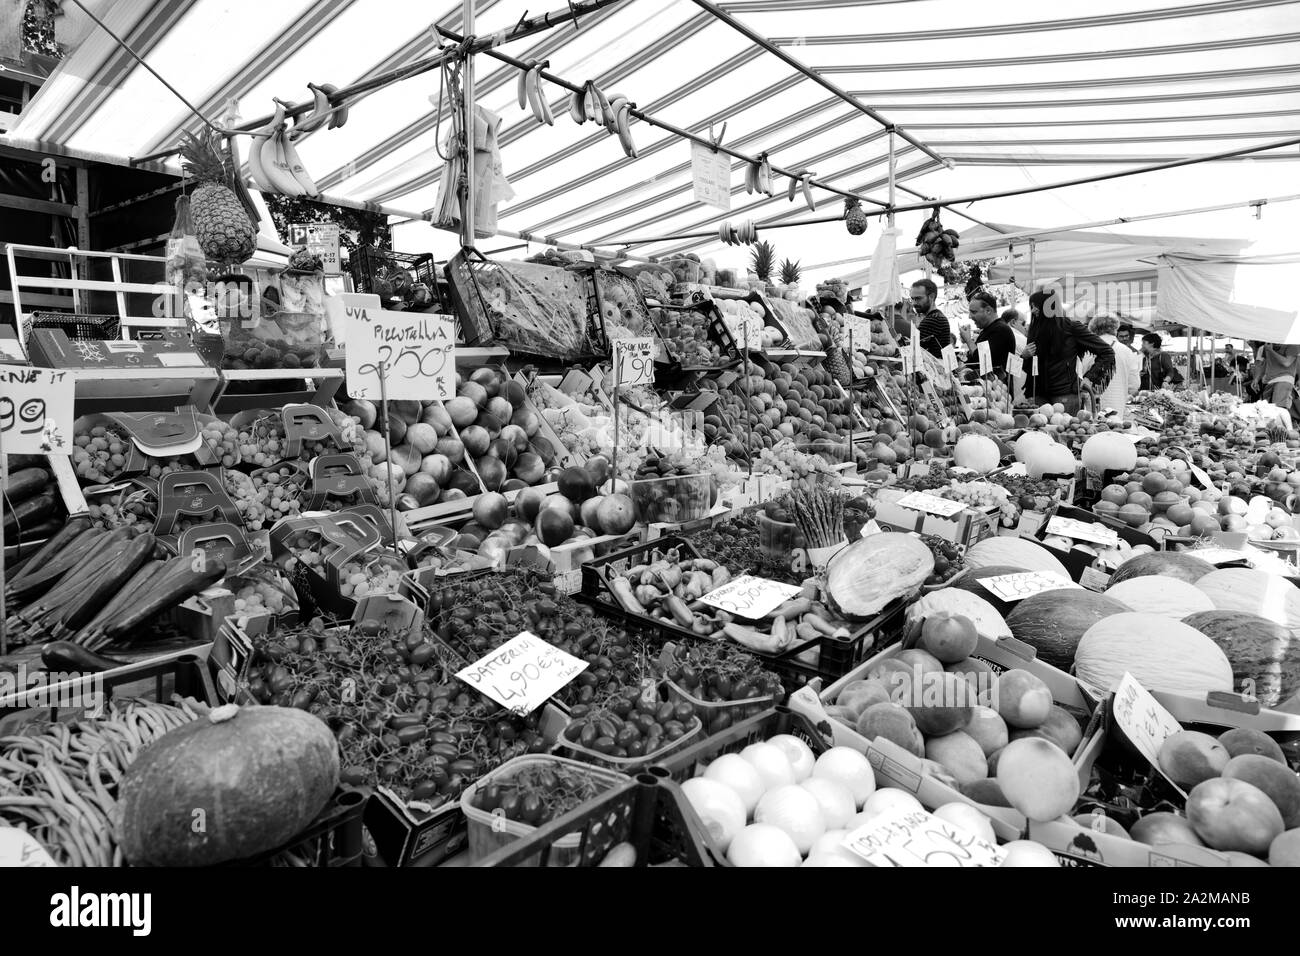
<point x="262" y="594"/>
<point x="350" y="430"/>
<point x="223" y="439"/>
<point x="983" y="494"/>
<point x="786" y="461"/>
<point x="99" y="454"/>
<point x="380" y="576"/>
<point x="262" y="443"/>
<point x="134" y="510"/>
<point x="265" y="498"/>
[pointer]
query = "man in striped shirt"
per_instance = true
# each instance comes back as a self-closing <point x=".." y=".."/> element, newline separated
<point x="933" y="329"/>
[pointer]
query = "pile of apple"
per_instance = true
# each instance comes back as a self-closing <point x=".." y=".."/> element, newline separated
<point x="686" y="335"/>
<point x="736" y="311"/>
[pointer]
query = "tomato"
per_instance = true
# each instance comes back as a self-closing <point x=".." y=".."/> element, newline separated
<point x="607" y="727"/>
<point x="531" y="809"/>
<point x="673" y="730"/>
<point x="586" y="694"/>
<point x="422" y="654"/>
<point x="743" y="690"/>
<point x="719" y="722"/>
<point x="424" y="790"/>
<point x="398" y="721"/>
<point x="722" y="687"/>
<point x="603" y="745"/>
<point x="390" y="771"/>
<point x="683" y="712"/>
<point x="510" y="805"/>
<point x="307" y="646"/>
<point x="626" y="736"/>
<point x="587" y="736"/>
<point x="411" y="734"/>
<point x="636" y="748"/>
<point x="355" y="776"/>
<point x="664" y="713"/>
<point x="653" y="743"/>
<point x="465" y="766"/>
<point x="621" y="706"/>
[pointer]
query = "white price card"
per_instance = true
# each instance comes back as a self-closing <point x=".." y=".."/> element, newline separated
<point x="414" y="350"/>
<point x="1017" y="587"/>
<point x="871" y="528"/>
<point x="522" y="673"/>
<point x="1034" y="369"/>
<point x="1016" y="368"/>
<point x="986" y="357"/>
<point x="19" y="848"/>
<point x="635" y="360"/>
<point x="746" y="330"/>
<point x="950" y="357"/>
<point x="859" y="326"/>
<point x="1082" y="531"/>
<point x="1142" y="719"/>
<point x="711" y="176"/>
<point x="1094" y="579"/>
<point x="750" y="597"/>
<point x="1200" y="475"/>
<point x="910" y="838"/>
<point x="931" y="504"/>
<point x="36" y="410"/>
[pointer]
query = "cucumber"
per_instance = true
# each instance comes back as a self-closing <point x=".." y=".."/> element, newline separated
<point x="26" y="484"/>
<point x="43" y="573"/>
<point x="84" y="606"/>
<point x="168" y="593"/>
<point x="91" y="564"/>
<point x="30" y="512"/>
<point x="144" y="578"/>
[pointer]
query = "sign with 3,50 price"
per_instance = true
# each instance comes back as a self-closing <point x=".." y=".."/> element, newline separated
<point x="415" y="350"/>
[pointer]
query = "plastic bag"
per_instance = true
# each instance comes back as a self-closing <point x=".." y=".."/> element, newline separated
<point x="186" y="266"/>
<point x="285" y="329"/>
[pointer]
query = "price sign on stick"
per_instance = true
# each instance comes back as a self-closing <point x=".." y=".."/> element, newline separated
<point x="36" y="410"/>
<point x="950" y="358"/>
<point x="522" y="673"/>
<point x="1142" y="719"/>
<point x="930" y="504"/>
<point x="1017" y="587"/>
<point x="917" y="838"/>
<point x="750" y="597"/>
<point x="986" y="357"/>
<point x="416" y="350"/>
<point x="636" y="361"/>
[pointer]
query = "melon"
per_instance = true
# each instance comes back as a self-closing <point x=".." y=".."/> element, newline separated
<point x="1053" y="622"/>
<point x="989" y="624"/>
<point x="259" y="776"/>
<point x="1108" y="451"/>
<point x="1054" y="459"/>
<point x="1172" y="564"/>
<point x="976" y="452"/>
<point x="1161" y="654"/>
<point x="873" y="571"/>
<point x="1255" y="592"/>
<point x="1013" y="552"/>
<point x="1263" y="654"/>
<point x="1158" y="594"/>
<point x="969" y="580"/>
<point x="1029" y="441"/>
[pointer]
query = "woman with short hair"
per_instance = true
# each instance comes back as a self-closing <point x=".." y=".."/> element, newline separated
<point x="1128" y="367"/>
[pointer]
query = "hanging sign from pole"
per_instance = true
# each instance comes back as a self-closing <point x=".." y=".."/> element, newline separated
<point x="319" y="239"/>
<point x="417" y="350"/>
<point x="711" y="176"/>
<point x="635" y="358"/>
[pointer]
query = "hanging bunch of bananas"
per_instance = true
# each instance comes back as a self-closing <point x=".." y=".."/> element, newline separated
<point x="529" y="93"/>
<point x="803" y="182"/>
<point x="742" y="235"/>
<point x="937" y="244"/>
<point x="612" y="112"/>
<point x="273" y="160"/>
<point x="758" y="177"/>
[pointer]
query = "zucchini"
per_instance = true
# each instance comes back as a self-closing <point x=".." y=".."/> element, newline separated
<point x="30" y="512"/>
<point x="144" y="578"/>
<point x="26" y="484"/>
<point x="91" y="564"/>
<point x="19" y="462"/>
<point x="66" y="656"/>
<point x="84" y="606"/>
<point x="39" y="576"/>
<point x="167" y="593"/>
<point x="41" y="532"/>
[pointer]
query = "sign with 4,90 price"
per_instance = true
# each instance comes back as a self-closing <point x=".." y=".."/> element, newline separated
<point x="415" y="352"/>
<point x="522" y="673"/>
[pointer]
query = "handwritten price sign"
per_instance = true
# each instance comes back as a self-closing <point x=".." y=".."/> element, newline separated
<point x="930" y="504"/>
<point x="1082" y="531"/>
<point x="636" y="360"/>
<point x="857" y="328"/>
<point x="1142" y="719"/>
<point x="917" y="838"/>
<point x="986" y="357"/>
<point x="1017" y="587"/>
<point x="36" y="410"/>
<point x="522" y="673"/>
<point x="750" y="597"/>
<point x="415" y="350"/>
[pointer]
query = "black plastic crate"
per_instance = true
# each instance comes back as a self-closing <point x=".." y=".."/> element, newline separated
<point x="334" y="838"/>
<point x="828" y="658"/>
<point x="649" y="812"/>
<point x="718" y="332"/>
<point x="685" y="764"/>
<point x="368" y="265"/>
<point x="79" y="327"/>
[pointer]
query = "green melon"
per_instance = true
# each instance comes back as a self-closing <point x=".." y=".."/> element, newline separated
<point x="1172" y="564"/>
<point x="1258" y="649"/>
<point x="1054" y="622"/>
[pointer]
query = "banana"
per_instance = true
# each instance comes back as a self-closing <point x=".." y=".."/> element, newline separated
<point x="296" y="167"/>
<point x="790" y="190"/>
<point x="339" y="116"/>
<point x="765" y="177"/>
<point x="531" y="90"/>
<point x="806" y="182"/>
<point x="320" y="111"/>
<point x="547" y="112"/>
<point x="577" y="107"/>
<point x="277" y="167"/>
<point x="590" y="106"/>
<point x="722" y="233"/>
<point x="521" y="93"/>
<point x="606" y="115"/>
<point x="256" y="164"/>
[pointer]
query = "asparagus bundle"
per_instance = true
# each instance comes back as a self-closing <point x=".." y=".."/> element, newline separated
<point x="819" y="514"/>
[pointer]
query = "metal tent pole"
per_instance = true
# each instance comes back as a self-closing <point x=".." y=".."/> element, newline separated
<point x="467" y="131"/>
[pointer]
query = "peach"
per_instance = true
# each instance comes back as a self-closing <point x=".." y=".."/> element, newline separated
<point x="960" y="754"/>
<point x="1189" y="757"/>
<point x="1285" y="849"/>
<point x="1231" y="814"/>
<point x="977" y="673"/>
<point x="986" y="791"/>
<point x="1245" y="740"/>
<point x="1023" y="700"/>
<point x="1038" y="778"/>
<point x="896" y="675"/>
<point x="895" y="724"/>
<point x="1162" y="827"/>
<point x="916" y="658"/>
<point x="1275" y="779"/>
<point x="858" y="695"/>
<point x="1059" y="727"/>
<point x="988" y="729"/>
<point x="941" y="703"/>
<point x="949" y="637"/>
<point x="1028" y="853"/>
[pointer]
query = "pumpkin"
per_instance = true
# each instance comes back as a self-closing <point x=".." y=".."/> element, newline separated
<point x="871" y="572"/>
<point x="988" y="622"/>
<point x="1029" y="441"/>
<point x="1162" y="654"/>
<point x="1053" y="459"/>
<point x="1159" y="594"/>
<point x="1109" y="451"/>
<point x="226" y="787"/>
<point x="976" y="453"/>
<point x="1013" y="552"/>
<point x="1053" y="622"/>
<point x="969" y="580"/>
<point x="1255" y="592"/>
<point x="1261" y="652"/>
<point x="1171" y="564"/>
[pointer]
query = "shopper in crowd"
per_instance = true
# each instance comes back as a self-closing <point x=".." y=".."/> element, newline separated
<point x="993" y="330"/>
<point x="1124" y="334"/>
<point x="1276" y="375"/>
<point x="1058" y="343"/>
<point x="1157" y="364"/>
<point x="1128" y="367"/>
<point x="933" y="328"/>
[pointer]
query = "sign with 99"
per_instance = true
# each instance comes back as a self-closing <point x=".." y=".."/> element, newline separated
<point x="36" y="410"/>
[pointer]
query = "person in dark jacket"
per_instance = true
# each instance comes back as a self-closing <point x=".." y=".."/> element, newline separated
<point x="1059" y="343"/>
<point x="993" y="330"/>
<point x="1157" y="365"/>
<point x="933" y="329"/>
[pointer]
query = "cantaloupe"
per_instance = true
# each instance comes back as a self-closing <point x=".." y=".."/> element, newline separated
<point x="1013" y="552"/>
<point x="977" y="453"/>
<point x="1162" y="654"/>
<point x="1160" y="594"/>
<point x="1173" y="564"/>
<point x="873" y="571"/>
<point x="1255" y="592"/>
<point x="1053" y="622"/>
<point x="1261" y="652"/>
<point x="1107" y="451"/>
<point x="988" y="622"/>
<point x="1028" y="441"/>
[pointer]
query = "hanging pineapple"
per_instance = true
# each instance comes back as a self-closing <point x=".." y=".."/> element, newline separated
<point x="854" y="217"/>
<point x="221" y="222"/>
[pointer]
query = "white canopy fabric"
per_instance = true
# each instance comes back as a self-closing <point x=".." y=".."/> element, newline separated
<point x="1010" y="93"/>
<point x="1252" y="296"/>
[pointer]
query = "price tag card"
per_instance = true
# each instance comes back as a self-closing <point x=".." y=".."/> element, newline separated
<point x="522" y="673"/>
<point x="635" y="359"/>
<point x="950" y="358"/>
<point x="1200" y="475"/>
<point x="986" y="357"/>
<point x="415" y="350"/>
<point x="931" y="504"/>
<point x="36" y="410"/>
<point x="320" y="239"/>
<point x="918" y="838"/>
<point x="871" y="528"/>
<point x="12" y="350"/>
<point x="1034" y="369"/>
<point x="1082" y="531"/>
<point x="750" y="597"/>
<point x="1017" y="587"/>
<point x="1016" y="369"/>
<point x="19" y="848"/>
<point x="711" y="176"/>
<point x="859" y="326"/>
<point x="1094" y="579"/>
<point x="1142" y="719"/>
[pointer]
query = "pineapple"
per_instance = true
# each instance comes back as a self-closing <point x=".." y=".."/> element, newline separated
<point x="854" y="217"/>
<point x="221" y="223"/>
<point x="762" y="261"/>
<point x="789" y="272"/>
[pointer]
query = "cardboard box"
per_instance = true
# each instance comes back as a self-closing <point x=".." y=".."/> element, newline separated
<point x="51" y="348"/>
<point x="1077" y="560"/>
<point x="964" y="528"/>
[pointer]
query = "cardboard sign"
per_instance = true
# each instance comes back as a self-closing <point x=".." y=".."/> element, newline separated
<point x="1017" y="587"/>
<point x="36" y="410"/>
<point x="522" y="673"/>
<point x="857" y="332"/>
<point x="320" y="239"/>
<point x="918" y="838"/>
<point x="415" y="350"/>
<point x="1083" y="531"/>
<point x="750" y="597"/>
<point x="1142" y="719"/>
<point x="986" y="357"/>
<point x="634" y="360"/>
<point x="931" y="504"/>
<point x="711" y="176"/>
<point x="1094" y="579"/>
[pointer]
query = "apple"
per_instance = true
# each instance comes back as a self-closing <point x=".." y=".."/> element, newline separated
<point x="1154" y="829"/>
<point x="451" y="448"/>
<point x="516" y="436"/>
<point x="1230" y="814"/>
<point x="437" y="466"/>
